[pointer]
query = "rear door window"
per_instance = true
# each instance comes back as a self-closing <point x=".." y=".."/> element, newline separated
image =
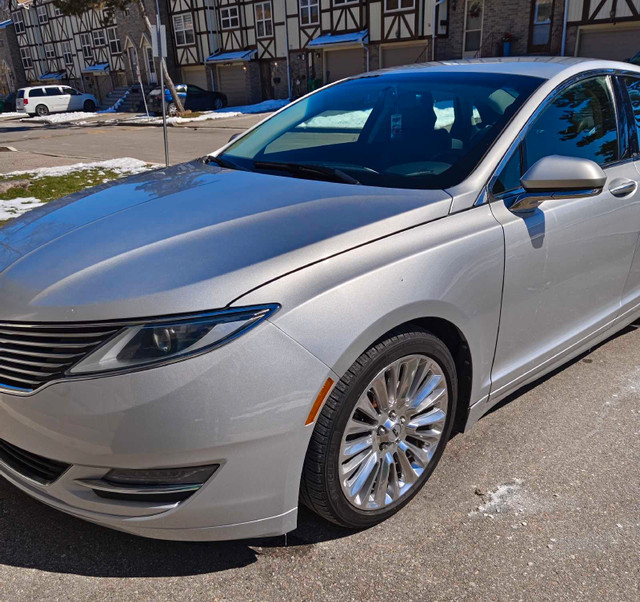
<point x="36" y="92"/>
<point x="633" y="87"/>
<point x="53" y="91"/>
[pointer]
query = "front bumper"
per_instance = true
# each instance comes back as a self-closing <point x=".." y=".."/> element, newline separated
<point x="242" y="406"/>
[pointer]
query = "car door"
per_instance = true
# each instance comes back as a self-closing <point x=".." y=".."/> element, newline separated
<point x="566" y="261"/>
<point x="67" y="98"/>
<point x="52" y="94"/>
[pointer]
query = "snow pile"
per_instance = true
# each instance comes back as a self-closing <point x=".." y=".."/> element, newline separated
<point x="16" y="207"/>
<point x="338" y="119"/>
<point x="125" y="165"/>
<point x="266" y="106"/>
<point x="63" y="117"/>
<point x="11" y="115"/>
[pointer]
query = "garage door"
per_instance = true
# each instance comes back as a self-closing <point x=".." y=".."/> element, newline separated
<point x="196" y="76"/>
<point x="233" y="83"/>
<point x="615" y="43"/>
<point x="343" y="63"/>
<point x="393" y="56"/>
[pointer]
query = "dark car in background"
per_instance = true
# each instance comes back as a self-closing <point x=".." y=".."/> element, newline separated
<point x="193" y="98"/>
<point x="635" y="59"/>
<point x="8" y="103"/>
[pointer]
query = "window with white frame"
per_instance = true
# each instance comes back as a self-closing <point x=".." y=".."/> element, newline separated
<point x="183" y="29"/>
<point x="41" y="11"/>
<point x="25" y="55"/>
<point x="229" y="17"/>
<point x="57" y="12"/>
<point x="264" y="19"/>
<point x="338" y="2"/>
<point x="391" y="5"/>
<point x="309" y="12"/>
<point x="114" y="41"/>
<point x="85" y="42"/>
<point x="98" y="38"/>
<point x="18" y="22"/>
<point x="49" y="51"/>
<point x="66" y="53"/>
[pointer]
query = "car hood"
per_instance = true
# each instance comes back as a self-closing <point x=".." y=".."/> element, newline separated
<point x="189" y="238"/>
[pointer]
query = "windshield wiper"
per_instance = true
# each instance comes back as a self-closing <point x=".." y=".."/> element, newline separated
<point x="331" y="174"/>
<point x="222" y="162"/>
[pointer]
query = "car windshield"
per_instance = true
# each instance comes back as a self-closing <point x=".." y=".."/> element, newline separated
<point x="395" y="130"/>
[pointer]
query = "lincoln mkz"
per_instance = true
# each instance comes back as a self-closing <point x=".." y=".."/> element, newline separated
<point x="307" y="314"/>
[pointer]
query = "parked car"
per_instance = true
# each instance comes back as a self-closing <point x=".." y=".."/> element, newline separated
<point x="8" y="103"/>
<point x="193" y="99"/>
<point x="307" y="313"/>
<point x="42" y="100"/>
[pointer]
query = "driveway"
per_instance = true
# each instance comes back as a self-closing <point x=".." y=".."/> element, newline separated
<point x="540" y="501"/>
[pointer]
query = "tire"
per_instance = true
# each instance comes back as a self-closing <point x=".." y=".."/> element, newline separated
<point x="89" y="106"/>
<point x="42" y="110"/>
<point x="172" y="109"/>
<point x="324" y="486"/>
<point x="218" y="104"/>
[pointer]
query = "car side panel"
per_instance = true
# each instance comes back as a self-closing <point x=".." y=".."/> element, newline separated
<point x="450" y="269"/>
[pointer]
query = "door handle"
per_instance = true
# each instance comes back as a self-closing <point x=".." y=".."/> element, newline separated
<point x="622" y="187"/>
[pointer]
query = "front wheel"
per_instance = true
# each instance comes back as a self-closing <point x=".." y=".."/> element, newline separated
<point x="89" y="106"/>
<point x="172" y="109"/>
<point x="382" y="431"/>
<point x="218" y="104"/>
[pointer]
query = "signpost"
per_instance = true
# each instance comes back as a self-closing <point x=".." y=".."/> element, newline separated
<point x="159" y="41"/>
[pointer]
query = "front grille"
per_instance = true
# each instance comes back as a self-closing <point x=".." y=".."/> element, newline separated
<point x="39" y="469"/>
<point x="32" y="355"/>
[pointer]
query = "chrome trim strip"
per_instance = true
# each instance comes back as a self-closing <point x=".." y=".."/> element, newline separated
<point x="100" y="485"/>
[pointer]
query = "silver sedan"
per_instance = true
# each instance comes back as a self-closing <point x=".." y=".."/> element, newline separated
<point x="309" y="312"/>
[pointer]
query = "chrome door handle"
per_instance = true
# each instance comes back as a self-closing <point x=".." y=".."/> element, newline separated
<point x="623" y="187"/>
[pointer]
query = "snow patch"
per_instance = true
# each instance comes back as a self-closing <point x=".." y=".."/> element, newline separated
<point x="266" y="106"/>
<point x="11" y="114"/>
<point x="338" y="119"/>
<point x="63" y="117"/>
<point x="16" y="207"/>
<point x="124" y="165"/>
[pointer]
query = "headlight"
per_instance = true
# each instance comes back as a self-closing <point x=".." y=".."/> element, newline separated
<point x="170" y="339"/>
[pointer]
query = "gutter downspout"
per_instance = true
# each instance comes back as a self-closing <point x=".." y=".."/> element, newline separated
<point x="565" y="19"/>
<point x="365" y="45"/>
<point x="212" y="43"/>
<point x="434" y="28"/>
<point x="286" y="32"/>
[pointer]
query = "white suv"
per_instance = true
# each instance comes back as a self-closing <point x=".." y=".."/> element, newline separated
<point x="42" y="100"/>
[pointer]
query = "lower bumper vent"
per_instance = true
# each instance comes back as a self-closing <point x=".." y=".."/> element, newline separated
<point x="34" y="467"/>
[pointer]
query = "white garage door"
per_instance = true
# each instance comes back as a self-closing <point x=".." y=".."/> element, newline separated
<point x="394" y="56"/>
<point x="233" y="83"/>
<point x="343" y="63"/>
<point x="196" y="76"/>
<point x="615" y="44"/>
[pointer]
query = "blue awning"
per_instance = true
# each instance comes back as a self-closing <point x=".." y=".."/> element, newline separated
<point x="52" y="75"/>
<point x="344" y="39"/>
<point x="232" y="57"/>
<point x="99" y="68"/>
<point x="4" y="24"/>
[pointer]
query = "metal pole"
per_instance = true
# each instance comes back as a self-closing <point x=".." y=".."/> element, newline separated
<point x="162" y="95"/>
<point x="565" y="18"/>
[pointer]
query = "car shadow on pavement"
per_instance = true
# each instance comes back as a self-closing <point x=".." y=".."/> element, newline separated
<point x="35" y="536"/>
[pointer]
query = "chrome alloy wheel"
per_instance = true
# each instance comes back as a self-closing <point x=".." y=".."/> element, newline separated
<point x="393" y="432"/>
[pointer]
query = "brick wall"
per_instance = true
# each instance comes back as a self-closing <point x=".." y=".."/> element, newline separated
<point x="10" y="54"/>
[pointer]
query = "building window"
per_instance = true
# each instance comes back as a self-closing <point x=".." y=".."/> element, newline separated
<point x="391" y="5"/>
<point x="85" y="42"/>
<point x="49" y="51"/>
<point x="229" y="17"/>
<point x="114" y="41"/>
<point x="541" y="24"/>
<point x="309" y="12"/>
<point x="338" y="2"/>
<point x="57" y="12"/>
<point x="25" y="55"/>
<point x="41" y="11"/>
<point x="98" y="38"/>
<point x="18" y="22"/>
<point x="183" y="28"/>
<point x="66" y="52"/>
<point x="264" y="20"/>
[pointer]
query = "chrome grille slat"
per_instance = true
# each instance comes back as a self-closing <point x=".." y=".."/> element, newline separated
<point x="31" y="355"/>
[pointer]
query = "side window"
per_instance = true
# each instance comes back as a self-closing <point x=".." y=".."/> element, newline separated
<point x="53" y="91"/>
<point x="633" y="87"/>
<point x="36" y="92"/>
<point x="509" y="178"/>
<point x="580" y="122"/>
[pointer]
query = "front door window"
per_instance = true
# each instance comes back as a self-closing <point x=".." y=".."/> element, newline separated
<point x="474" y="10"/>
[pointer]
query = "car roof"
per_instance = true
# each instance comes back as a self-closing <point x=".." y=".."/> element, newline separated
<point x="545" y="67"/>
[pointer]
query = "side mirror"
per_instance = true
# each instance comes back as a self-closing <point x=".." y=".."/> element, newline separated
<point x="234" y="136"/>
<point x="559" y="174"/>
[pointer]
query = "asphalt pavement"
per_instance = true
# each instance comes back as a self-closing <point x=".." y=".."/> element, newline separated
<point x="539" y="501"/>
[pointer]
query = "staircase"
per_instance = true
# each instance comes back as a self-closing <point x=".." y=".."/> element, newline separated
<point x="129" y="98"/>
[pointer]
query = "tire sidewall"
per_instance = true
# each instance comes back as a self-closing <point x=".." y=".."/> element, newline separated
<point x="419" y="342"/>
<point x="42" y="110"/>
<point x="89" y="106"/>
